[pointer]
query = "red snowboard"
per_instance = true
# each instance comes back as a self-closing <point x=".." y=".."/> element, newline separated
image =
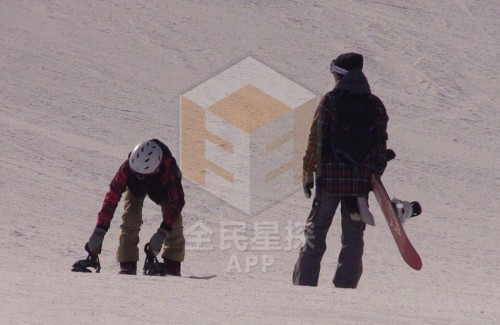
<point x="406" y="249"/>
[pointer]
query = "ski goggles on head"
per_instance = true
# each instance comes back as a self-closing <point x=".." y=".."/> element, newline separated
<point x="337" y="69"/>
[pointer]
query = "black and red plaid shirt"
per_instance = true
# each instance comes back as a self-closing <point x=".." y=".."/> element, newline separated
<point x="338" y="177"/>
<point x="164" y="187"/>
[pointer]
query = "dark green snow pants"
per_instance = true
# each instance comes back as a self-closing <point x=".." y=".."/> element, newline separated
<point x="350" y="266"/>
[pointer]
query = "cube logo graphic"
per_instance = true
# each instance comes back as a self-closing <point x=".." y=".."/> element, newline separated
<point x="244" y="133"/>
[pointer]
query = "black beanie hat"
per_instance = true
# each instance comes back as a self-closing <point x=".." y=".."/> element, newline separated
<point x="347" y="62"/>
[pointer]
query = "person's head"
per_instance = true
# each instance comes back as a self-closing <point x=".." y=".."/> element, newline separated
<point x="145" y="159"/>
<point x="346" y="63"/>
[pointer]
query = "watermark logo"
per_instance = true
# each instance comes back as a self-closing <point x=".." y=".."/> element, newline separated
<point x="249" y="246"/>
<point x="244" y="133"/>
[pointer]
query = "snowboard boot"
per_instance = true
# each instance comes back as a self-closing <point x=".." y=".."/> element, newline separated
<point x="172" y="267"/>
<point x="129" y="268"/>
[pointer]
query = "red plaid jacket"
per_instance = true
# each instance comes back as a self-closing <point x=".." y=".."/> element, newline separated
<point x="339" y="177"/>
<point x="163" y="187"/>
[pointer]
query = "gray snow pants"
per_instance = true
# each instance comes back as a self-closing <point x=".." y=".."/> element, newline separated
<point x="350" y="266"/>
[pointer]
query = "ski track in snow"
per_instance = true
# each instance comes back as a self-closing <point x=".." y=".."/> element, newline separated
<point x="82" y="82"/>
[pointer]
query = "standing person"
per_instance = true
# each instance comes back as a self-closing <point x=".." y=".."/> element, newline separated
<point x="150" y="170"/>
<point x="347" y="143"/>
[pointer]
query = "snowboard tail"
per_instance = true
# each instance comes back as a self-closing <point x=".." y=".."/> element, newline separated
<point x="405" y="247"/>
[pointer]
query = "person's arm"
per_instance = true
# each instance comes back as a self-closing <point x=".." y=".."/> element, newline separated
<point x="116" y="188"/>
<point x="171" y="181"/>
<point x="321" y="127"/>
<point x="311" y="157"/>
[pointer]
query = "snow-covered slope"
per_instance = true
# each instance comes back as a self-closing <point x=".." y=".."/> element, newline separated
<point x="81" y="82"/>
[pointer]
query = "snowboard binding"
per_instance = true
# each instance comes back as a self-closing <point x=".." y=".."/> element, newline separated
<point x="405" y="209"/>
<point x="151" y="265"/>
<point x="91" y="261"/>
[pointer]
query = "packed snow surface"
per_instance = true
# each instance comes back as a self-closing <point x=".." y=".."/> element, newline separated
<point x="82" y="82"/>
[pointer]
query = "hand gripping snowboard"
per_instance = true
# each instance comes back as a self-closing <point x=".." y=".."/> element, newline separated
<point x="151" y="264"/>
<point x="91" y="261"/>
<point x="406" y="249"/>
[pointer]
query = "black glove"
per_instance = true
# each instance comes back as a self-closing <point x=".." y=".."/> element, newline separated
<point x="156" y="241"/>
<point x="307" y="183"/>
<point x="380" y="167"/>
<point x="389" y="155"/>
<point x="95" y="241"/>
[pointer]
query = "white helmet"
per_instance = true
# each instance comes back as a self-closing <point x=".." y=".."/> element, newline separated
<point x="145" y="158"/>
